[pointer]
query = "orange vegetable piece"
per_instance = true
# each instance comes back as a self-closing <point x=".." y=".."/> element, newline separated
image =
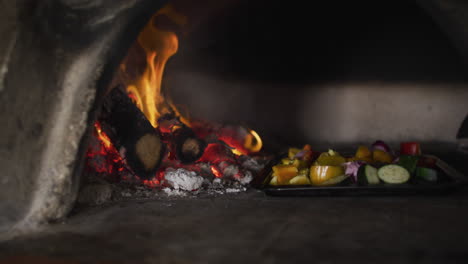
<point x="309" y="155"/>
<point x="363" y="152"/>
<point x="307" y="147"/>
<point x="284" y="173"/>
<point x="382" y="156"/>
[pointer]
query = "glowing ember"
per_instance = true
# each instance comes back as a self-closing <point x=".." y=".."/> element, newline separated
<point x="216" y="171"/>
<point x="102" y="157"/>
<point x="102" y="136"/>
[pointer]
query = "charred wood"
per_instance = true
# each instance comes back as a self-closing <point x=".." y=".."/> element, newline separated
<point x="131" y="133"/>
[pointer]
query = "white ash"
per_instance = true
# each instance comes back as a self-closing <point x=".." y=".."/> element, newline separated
<point x="235" y="190"/>
<point x="230" y="171"/>
<point x="183" y="179"/>
<point x="246" y="178"/>
<point x="172" y="192"/>
<point x="217" y="184"/>
<point x="251" y="164"/>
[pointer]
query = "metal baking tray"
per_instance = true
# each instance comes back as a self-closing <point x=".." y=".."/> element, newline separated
<point x="449" y="180"/>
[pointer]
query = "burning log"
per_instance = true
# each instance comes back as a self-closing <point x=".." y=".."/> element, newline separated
<point x="131" y="133"/>
<point x="188" y="147"/>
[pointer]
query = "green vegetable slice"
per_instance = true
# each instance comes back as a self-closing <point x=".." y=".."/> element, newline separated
<point x="426" y="174"/>
<point x="394" y="174"/>
<point x="367" y="175"/>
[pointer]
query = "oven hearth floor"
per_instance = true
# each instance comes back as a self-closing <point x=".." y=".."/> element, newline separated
<point x="253" y="228"/>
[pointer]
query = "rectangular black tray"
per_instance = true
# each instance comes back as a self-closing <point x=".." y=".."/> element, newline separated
<point x="450" y="179"/>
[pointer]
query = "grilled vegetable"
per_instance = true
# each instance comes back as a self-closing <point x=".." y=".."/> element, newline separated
<point x="320" y="174"/>
<point x="408" y="162"/>
<point x="274" y="181"/>
<point x="366" y="160"/>
<point x="300" y="180"/>
<point x="367" y="175"/>
<point x="393" y="174"/>
<point x="352" y="169"/>
<point x="330" y="158"/>
<point x="334" y="180"/>
<point x="426" y="174"/>
<point x="292" y="152"/>
<point x="305" y="154"/>
<point x="380" y="145"/>
<point x="382" y="156"/>
<point x="284" y="173"/>
<point x="363" y="152"/>
<point x="410" y="148"/>
<point x="304" y="172"/>
<point x="300" y="164"/>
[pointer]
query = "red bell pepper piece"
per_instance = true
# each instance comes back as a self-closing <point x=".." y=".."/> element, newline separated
<point x="410" y="148"/>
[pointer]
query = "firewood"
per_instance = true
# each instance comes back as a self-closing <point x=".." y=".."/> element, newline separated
<point x="188" y="147"/>
<point x="131" y="133"/>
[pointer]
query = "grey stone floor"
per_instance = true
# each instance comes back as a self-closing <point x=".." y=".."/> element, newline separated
<point x="254" y="228"/>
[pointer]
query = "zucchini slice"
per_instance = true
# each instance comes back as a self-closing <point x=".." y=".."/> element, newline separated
<point x="367" y="175"/>
<point x="393" y="174"/>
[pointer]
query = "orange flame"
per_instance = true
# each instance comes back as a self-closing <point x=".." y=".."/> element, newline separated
<point x="159" y="46"/>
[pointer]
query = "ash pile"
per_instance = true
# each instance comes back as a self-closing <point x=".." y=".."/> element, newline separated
<point x="208" y="181"/>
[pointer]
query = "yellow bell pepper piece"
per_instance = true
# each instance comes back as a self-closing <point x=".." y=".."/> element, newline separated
<point x="320" y="174"/>
<point x="330" y="158"/>
<point x="274" y="181"/>
<point x="284" y="173"/>
<point x="300" y="180"/>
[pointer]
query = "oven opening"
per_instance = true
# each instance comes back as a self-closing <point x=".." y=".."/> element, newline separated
<point x="148" y="126"/>
<point x="194" y="96"/>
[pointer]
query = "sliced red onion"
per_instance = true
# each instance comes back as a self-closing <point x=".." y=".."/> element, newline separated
<point x="379" y="144"/>
<point x="300" y="154"/>
<point x="352" y="169"/>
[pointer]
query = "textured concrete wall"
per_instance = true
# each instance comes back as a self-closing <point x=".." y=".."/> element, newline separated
<point x="8" y="24"/>
<point x="65" y="53"/>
